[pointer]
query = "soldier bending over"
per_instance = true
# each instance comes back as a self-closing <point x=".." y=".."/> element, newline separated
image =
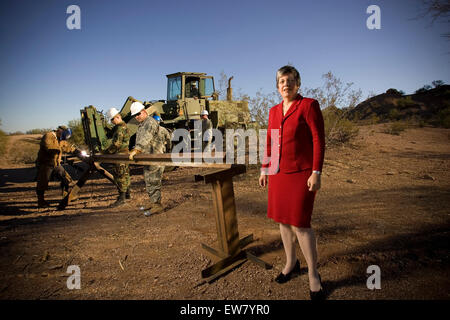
<point x="48" y="162"/>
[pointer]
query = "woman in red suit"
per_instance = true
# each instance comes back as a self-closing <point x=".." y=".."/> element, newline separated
<point x="292" y="165"/>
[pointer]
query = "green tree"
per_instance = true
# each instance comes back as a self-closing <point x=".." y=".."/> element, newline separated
<point x="77" y="137"/>
<point x="437" y="83"/>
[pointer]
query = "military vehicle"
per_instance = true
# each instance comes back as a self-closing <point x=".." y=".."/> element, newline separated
<point x="188" y="93"/>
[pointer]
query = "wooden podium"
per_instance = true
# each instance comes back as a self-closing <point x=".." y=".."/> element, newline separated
<point x="230" y="247"/>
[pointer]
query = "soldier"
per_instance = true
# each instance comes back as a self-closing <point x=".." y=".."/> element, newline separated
<point x="164" y="139"/>
<point x="206" y="131"/>
<point x="48" y="162"/>
<point x="192" y="91"/>
<point x="148" y="140"/>
<point x="119" y="144"/>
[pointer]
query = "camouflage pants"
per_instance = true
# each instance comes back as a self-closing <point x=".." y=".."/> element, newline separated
<point x="152" y="177"/>
<point x="121" y="175"/>
<point x="46" y="173"/>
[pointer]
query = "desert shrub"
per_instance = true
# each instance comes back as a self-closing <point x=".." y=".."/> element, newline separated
<point x="356" y="116"/>
<point x="394" y="114"/>
<point x="444" y="117"/>
<point x="396" y="128"/>
<point x="26" y="155"/>
<point x="375" y="105"/>
<point x="425" y="88"/>
<point x="26" y="150"/>
<point x="3" y="142"/>
<point x="260" y="106"/>
<point x="374" y="119"/>
<point x="338" y="129"/>
<point x="405" y="102"/>
<point x="77" y="137"/>
<point x="437" y="83"/>
<point x="394" y="91"/>
<point x="445" y="122"/>
<point x="38" y="131"/>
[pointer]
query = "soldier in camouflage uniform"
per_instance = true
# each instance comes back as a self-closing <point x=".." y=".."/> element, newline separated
<point x="119" y="145"/>
<point x="150" y="138"/>
<point x="48" y="163"/>
<point x="163" y="139"/>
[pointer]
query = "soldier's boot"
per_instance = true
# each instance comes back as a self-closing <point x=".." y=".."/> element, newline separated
<point x="128" y="194"/>
<point x="65" y="190"/>
<point x="41" y="201"/>
<point x="156" y="208"/>
<point x="147" y="206"/>
<point x="120" y="200"/>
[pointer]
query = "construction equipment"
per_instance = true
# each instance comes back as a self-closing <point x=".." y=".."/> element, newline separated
<point x="188" y="94"/>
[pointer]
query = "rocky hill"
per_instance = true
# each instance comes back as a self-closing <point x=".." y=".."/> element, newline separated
<point x="430" y="106"/>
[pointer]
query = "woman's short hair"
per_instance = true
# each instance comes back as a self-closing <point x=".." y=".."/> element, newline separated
<point x="289" y="70"/>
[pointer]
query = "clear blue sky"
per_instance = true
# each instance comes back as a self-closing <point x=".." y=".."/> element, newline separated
<point x="126" y="48"/>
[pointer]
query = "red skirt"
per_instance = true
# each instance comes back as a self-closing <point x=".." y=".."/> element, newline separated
<point x="290" y="201"/>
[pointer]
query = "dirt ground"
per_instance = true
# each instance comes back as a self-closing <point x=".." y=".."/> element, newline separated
<point x="384" y="201"/>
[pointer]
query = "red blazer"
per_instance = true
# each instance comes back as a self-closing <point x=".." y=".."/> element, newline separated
<point x="300" y="143"/>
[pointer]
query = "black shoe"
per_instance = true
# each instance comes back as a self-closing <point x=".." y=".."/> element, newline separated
<point x="127" y="194"/>
<point x="282" y="278"/>
<point x="317" y="295"/>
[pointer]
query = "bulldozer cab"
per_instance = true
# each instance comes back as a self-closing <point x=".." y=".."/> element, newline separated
<point x="187" y="94"/>
<point x="184" y="85"/>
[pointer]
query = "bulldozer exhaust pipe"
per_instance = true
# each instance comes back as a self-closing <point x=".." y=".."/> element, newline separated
<point x="229" y="90"/>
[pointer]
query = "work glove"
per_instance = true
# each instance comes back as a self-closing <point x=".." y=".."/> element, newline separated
<point x="133" y="153"/>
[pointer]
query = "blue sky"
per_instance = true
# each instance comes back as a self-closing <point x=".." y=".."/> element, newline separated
<point x="125" y="48"/>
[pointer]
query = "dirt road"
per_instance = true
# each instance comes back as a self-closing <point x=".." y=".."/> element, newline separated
<point x="384" y="201"/>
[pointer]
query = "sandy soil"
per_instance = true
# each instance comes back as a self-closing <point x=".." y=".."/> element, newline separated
<point x="384" y="201"/>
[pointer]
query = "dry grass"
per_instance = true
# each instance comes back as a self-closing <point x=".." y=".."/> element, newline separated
<point x="21" y="149"/>
<point x="3" y="142"/>
<point x="395" y="128"/>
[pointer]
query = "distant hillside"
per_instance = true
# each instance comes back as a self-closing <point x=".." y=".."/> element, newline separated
<point x="431" y="107"/>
